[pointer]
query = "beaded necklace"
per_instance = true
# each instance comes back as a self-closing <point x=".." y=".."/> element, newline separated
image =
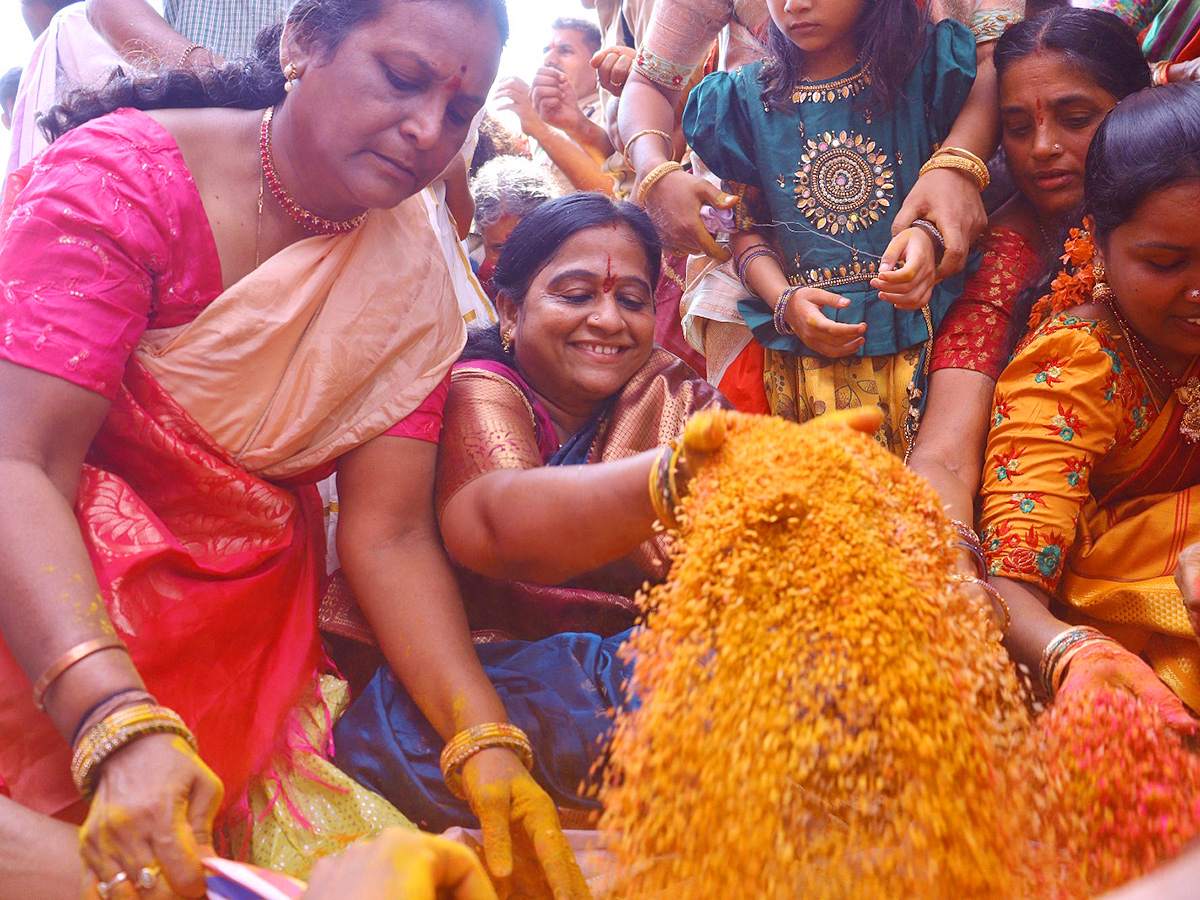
<point x="1145" y="359"/>
<point x="309" y="221"/>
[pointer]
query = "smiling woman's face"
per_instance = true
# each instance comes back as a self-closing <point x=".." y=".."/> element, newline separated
<point x="382" y="117"/>
<point x="587" y="322"/>
<point x="1049" y="111"/>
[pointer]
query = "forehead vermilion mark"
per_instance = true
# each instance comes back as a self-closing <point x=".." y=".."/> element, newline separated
<point x="610" y="280"/>
<point x="1041" y="113"/>
<point x="454" y="83"/>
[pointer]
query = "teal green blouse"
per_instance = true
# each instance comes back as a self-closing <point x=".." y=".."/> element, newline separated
<point x="826" y="177"/>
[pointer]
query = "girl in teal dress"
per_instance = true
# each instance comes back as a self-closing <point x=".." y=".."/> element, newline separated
<point x="820" y="142"/>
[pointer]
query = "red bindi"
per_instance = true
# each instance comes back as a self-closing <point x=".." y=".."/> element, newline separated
<point x="610" y="280"/>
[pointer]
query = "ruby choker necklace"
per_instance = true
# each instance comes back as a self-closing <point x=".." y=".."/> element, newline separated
<point x="309" y="221"/>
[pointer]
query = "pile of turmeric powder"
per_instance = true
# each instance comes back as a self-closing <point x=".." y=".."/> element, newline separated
<point x="823" y="711"/>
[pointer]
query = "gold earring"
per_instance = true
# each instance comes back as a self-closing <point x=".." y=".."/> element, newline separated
<point x="506" y="342"/>
<point x="292" y="75"/>
<point x="1101" y="291"/>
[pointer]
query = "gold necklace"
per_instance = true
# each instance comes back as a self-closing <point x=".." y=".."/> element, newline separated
<point x="1187" y="393"/>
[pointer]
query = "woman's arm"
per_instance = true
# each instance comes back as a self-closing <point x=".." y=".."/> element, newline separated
<point x="137" y="32"/>
<point x="951" y="198"/>
<point x="950" y="442"/>
<point x="553" y="539"/>
<point x="392" y="554"/>
<point x="155" y="801"/>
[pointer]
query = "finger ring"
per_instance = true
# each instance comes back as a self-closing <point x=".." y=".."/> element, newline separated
<point x="147" y="877"/>
<point x="105" y="888"/>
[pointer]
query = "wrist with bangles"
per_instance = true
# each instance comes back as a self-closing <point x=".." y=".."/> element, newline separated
<point x="1052" y="668"/>
<point x="664" y="486"/>
<point x="470" y="741"/>
<point x="969" y="540"/>
<point x="962" y="161"/>
<point x="128" y="723"/>
<point x="741" y="263"/>
<point x="780" y="313"/>
<point x="645" y="131"/>
<point x="999" y="604"/>
<point x="653" y="177"/>
<point x="935" y="235"/>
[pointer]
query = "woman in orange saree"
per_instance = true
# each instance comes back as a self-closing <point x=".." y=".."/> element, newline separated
<point x="1092" y="482"/>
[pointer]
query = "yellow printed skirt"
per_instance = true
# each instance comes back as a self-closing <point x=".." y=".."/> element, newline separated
<point x="800" y="388"/>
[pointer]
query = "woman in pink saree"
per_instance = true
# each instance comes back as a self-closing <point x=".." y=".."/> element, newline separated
<point x="206" y="310"/>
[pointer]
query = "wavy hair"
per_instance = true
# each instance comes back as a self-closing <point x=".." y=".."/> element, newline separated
<point x="255" y="82"/>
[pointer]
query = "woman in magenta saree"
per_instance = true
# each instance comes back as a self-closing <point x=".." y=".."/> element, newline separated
<point x="552" y="423"/>
<point x="206" y="310"/>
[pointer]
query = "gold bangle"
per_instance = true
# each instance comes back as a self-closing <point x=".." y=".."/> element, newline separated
<point x="76" y="654"/>
<point x="645" y="131"/>
<point x="960" y="160"/>
<point x="470" y="741"/>
<point x="118" y="730"/>
<point x="654" y="176"/>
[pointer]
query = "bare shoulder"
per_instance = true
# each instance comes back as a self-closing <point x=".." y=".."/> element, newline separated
<point x="211" y="139"/>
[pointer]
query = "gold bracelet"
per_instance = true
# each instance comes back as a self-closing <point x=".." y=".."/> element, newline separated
<point x="654" y="176"/>
<point x="116" y="731"/>
<point x="188" y="51"/>
<point x="960" y="160"/>
<point x="996" y="597"/>
<point x="645" y="131"/>
<point x="76" y="654"/>
<point x="470" y="741"/>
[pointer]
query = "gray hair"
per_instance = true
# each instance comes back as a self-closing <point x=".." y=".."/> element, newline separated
<point x="510" y="184"/>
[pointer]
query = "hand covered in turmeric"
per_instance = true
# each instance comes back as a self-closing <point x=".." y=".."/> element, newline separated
<point x="513" y="809"/>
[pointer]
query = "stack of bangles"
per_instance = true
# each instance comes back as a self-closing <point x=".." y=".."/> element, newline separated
<point x="475" y="739"/>
<point x="780" y="314"/>
<point x="664" y="492"/>
<point x="969" y="541"/>
<point x="654" y="176"/>
<point x="741" y="263"/>
<point x="963" y="161"/>
<point x="1160" y="73"/>
<point x="1058" y="653"/>
<point x="119" y="728"/>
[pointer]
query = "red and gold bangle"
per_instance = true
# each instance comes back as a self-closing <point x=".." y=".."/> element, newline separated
<point x="470" y="741"/>
<point x="1160" y="72"/>
<point x="76" y="654"/>
<point x="1060" y="650"/>
<point x="117" y="730"/>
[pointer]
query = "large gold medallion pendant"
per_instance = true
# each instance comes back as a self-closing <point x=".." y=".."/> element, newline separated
<point x="844" y="182"/>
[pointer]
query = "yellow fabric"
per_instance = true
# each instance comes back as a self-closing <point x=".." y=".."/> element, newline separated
<point x="800" y="388"/>
<point x="338" y="811"/>
<point x="326" y="345"/>
<point x="1072" y="421"/>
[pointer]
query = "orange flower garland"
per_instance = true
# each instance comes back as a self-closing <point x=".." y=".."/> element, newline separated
<point x="1073" y="285"/>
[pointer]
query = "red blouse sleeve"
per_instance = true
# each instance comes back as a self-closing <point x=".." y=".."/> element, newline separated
<point x="425" y="422"/>
<point x="92" y="229"/>
<point x="974" y="333"/>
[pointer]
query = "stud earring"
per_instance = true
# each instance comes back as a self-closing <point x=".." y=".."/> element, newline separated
<point x="292" y="74"/>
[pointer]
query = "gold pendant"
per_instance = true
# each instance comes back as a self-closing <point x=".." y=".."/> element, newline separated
<point x="1189" y="396"/>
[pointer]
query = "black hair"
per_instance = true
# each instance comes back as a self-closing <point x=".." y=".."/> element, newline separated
<point x="591" y="34"/>
<point x="1150" y="141"/>
<point x="1102" y="47"/>
<point x="9" y="82"/>
<point x="252" y="83"/>
<point x="539" y="235"/>
<point x="1105" y="51"/>
<point x="890" y="35"/>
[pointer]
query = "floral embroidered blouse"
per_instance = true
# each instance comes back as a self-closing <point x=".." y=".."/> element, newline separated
<point x="974" y="334"/>
<point x="825" y="178"/>
<point x="1069" y="402"/>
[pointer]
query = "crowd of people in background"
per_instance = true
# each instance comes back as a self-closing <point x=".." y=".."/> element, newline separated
<point x="337" y="399"/>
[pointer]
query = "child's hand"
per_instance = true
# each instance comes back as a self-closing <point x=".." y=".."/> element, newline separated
<point x="829" y="338"/>
<point x="911" y="284"/>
